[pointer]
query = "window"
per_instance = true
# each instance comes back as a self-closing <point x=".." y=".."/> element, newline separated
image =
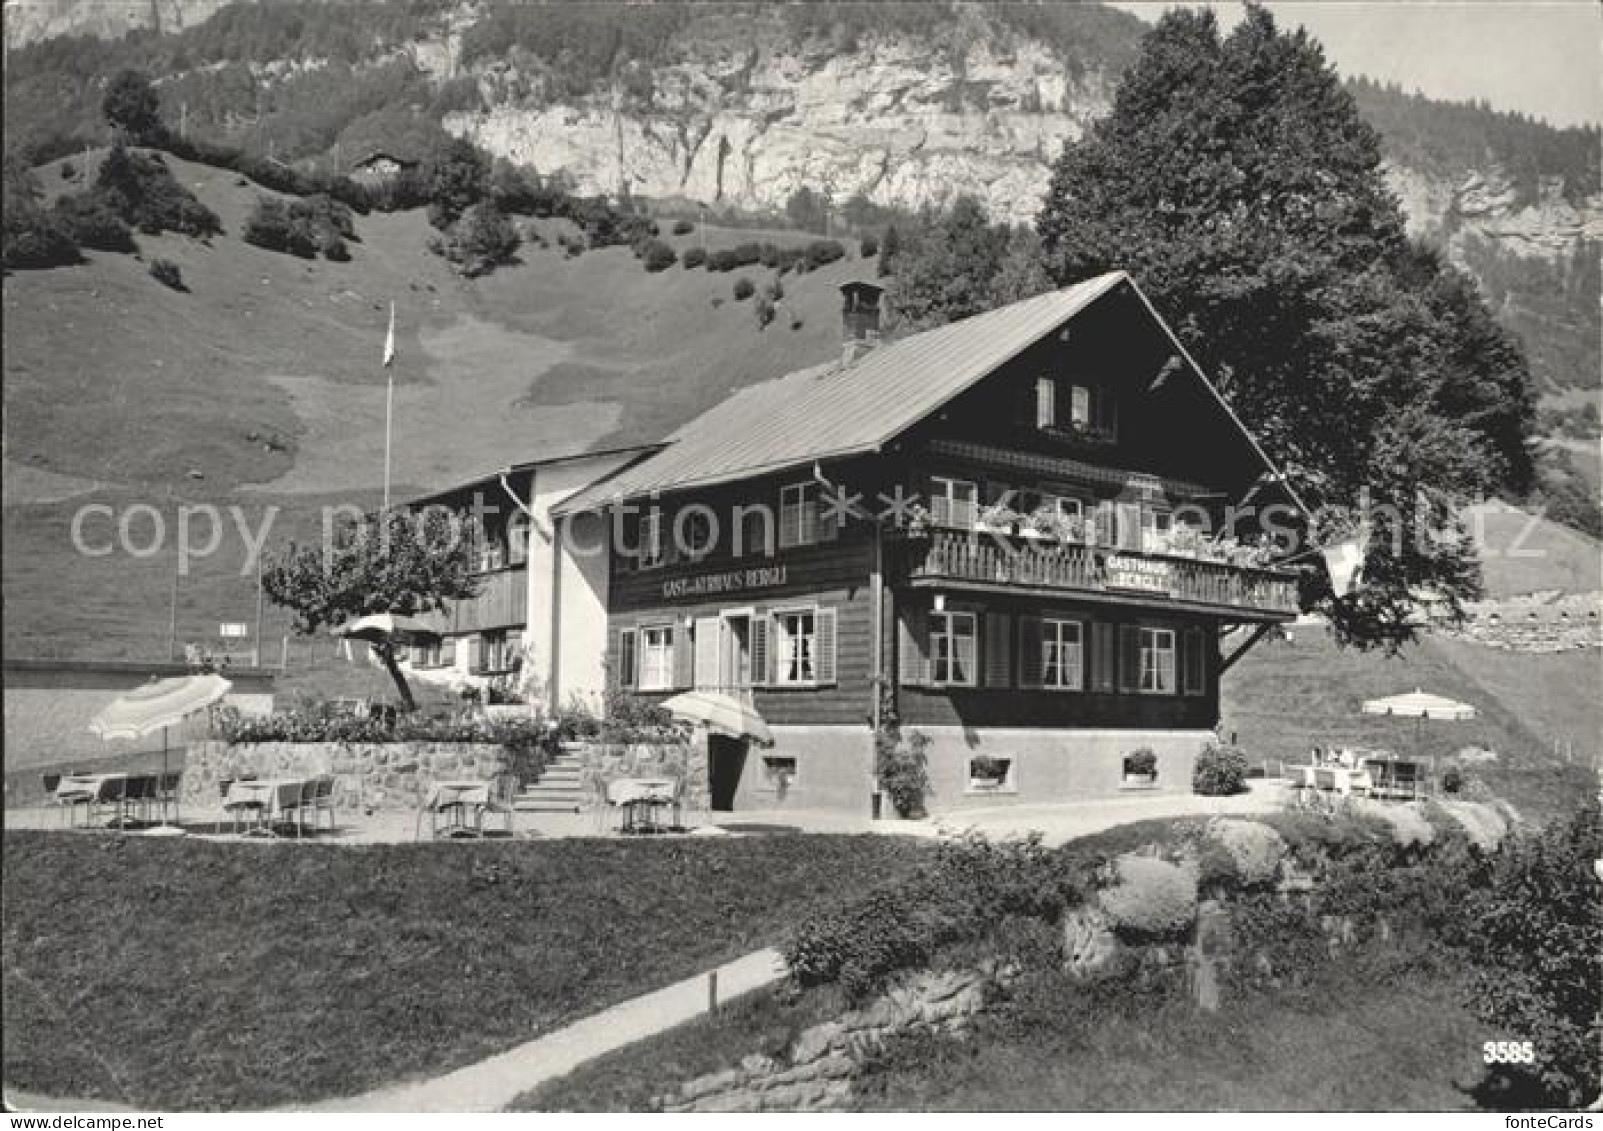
<point x="1157" y="661"/>
<point x="954" y="502"/>
<point x="1062" y="655"/>
<point x="952" y="649"/>
<point x="656" y="658"/>
<point x="489" y="552"/>
<point x="795" y="648"/>
<point x="518" y="538"/>
<point x="696" y="528"/>
<point x="1080" y="406"/>
<point x="427" y="652"/>
<point x="500" y="651"/>
<point x="1046" y="415"/>
<point x="1066" y="506"/>
<point x="779" y="773"/>
<point x="755" y="530"/>
<point x="988" y="773"/>
<point x="800" y="520"/>
<point x="650" y="539"/>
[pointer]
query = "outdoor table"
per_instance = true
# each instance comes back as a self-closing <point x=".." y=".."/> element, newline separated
<point x="276" y="796"/>
<point x="1344" y="780"/>
<point x="456" y="799"/>
<point x="641" y="796"/>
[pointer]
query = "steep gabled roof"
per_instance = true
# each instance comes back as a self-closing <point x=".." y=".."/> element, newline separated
<point x="835" y="410"/>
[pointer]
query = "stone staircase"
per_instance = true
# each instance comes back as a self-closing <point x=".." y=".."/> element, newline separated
<point x="559" y="789"/>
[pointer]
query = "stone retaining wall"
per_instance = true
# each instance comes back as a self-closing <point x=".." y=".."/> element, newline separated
<point x="372" y="775"/>
<point x="817" y="1073"/>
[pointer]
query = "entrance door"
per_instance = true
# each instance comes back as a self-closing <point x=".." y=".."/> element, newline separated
<point x="726" y="759"/>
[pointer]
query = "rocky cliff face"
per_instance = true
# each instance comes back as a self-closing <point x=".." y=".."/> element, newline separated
<point x="900" y="122"/>
<point x="29" y="20"/>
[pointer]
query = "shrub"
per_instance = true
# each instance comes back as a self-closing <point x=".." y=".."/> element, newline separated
<point x="1151" y="900"/>
<point x="1452" y="780"/>
<point x="745" y="254"/>
<point x="774" y="289"/>
<point x="166" y="272"/>
<point x="743" y="289"/>
<point x="1221" y="770"/>
<point x="1535" y="935"/>
<point x="694" y="257"/>
<point x="902" y="766"/>
<point x="91" y="223"/>
<point x="858" y="945"/>
<point x="33" y="237"/>
<point x="481" y="240"/>
<point x="820" y="252"/>
<point x="869" y="247"/>
<point x="68" y="170"/>
<point x="272" y="225"/>
<point x="139" y="188"/>
<point x="658" y="256"/>
<point x="683" y="227"/>
<point x="722" y="260"/>
<point x="764" y="310"/>
<point x="1255" y="849"/>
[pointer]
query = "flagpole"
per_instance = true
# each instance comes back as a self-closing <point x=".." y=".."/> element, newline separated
<point x="389" y="399"/>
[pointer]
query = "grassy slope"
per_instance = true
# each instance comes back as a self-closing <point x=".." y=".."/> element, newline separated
<point x="188" y="974"/>
<point x="1282" y="698"/>
<point x="115" y="388"/>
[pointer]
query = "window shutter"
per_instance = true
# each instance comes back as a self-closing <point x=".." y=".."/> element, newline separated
<point x="1103" y="666"/>
<point x="1105" y="525"/>
<point x="1030" y="673"/>
<point x="997" y="650"/>
<point x="448" y="652"/>
<point x="824" y="646"/>
<point x="1045" y="402"/>
<point x="760" y="650"/>
<point x="913" y="663"/>
<point x="1194" y="660"/>
<point x="626" y="651"/>
<point x="1129" y="526"/>
<point x="1129" y="657"/>
<point x="684" y="661"/>
<point x="708" y="639"/>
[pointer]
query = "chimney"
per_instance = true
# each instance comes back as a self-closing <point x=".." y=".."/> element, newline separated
<point x="859" y="318"/>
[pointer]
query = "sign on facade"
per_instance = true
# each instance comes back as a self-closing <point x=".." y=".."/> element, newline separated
<point x="733" y="581"/>
<point x="1149" y="575"/>
<point x="233" y="630"/>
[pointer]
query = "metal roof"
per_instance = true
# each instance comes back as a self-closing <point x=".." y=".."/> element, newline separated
<point x="836" y="410"/>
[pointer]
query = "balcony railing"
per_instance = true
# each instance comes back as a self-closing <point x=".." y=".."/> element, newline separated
<point x="959" y="556"/>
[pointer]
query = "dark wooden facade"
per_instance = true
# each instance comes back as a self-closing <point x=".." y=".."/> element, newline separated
<point x="1123" y="439"/>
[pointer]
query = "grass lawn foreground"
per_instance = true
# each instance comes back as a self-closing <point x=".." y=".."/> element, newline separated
<point x="181" y="974"/>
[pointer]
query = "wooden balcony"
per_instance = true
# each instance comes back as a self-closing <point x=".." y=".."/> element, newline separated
<point x="1000" y="563"/>
<point x="502" y="602"/>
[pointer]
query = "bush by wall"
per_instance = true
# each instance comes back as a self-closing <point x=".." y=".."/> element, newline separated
<point x="1221" y="770"/>
<point x="658" y="256"/>
<point x="694" y="257"/>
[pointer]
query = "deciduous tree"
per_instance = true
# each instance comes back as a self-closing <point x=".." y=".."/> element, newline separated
<point x="1237" y="182"/>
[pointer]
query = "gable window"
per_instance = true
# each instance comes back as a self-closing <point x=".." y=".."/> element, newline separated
<point x="489" y="552"/>
<point x="795" y="647"/>
<point x="656" y="657"/>
<point x="1157" y="661"/>
<point x="1080" y="406"/>
<point x="952" y="657"/>
<point x="1062" y="655"/>
<point x="801" y="521"/>
<point x="954" y="502"/>
<point x="1046" y="413"/>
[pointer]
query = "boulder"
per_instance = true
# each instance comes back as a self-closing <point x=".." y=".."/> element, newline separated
<point x="1090" y="948"/>
<point x="1255" y="848"/>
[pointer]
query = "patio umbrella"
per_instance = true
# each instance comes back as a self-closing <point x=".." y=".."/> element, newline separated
<point x="1419" y="706"/>
<point x="158" y="705"/>
<point x="387" y="628"/>
<point x="721" y="714"/>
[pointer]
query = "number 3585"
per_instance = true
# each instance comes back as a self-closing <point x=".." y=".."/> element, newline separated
<point x="1508" y="1052"/>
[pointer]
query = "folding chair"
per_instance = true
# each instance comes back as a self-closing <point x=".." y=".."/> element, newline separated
<point x="322" y="800"/>
<point x="252" y="806"/>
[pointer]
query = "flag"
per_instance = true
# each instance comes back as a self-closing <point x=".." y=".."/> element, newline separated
<point x="1345" y="561"/>
<point x="389" y="340"/>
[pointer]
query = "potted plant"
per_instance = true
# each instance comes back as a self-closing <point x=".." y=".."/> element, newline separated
<point x="1141" y="767"/>
<point x="1001" y="518"/>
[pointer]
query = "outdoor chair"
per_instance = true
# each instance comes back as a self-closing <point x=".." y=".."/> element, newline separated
<point x="322" y="801"/>
<point x="253" y="807"/>
<point x="303" y="805"/>
<point x="594" y="784"/>
<point x="110" y="796"/>
<point x="502" y="803"/>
